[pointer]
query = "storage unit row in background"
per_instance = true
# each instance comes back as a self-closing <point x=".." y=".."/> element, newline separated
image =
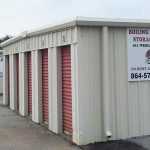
<point x="73" y="77"/>
<point x="41" y="115"/>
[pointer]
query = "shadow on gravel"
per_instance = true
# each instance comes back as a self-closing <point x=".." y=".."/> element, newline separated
<point x="113" y="145"/>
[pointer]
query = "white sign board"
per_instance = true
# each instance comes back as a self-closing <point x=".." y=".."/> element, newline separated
<point x="138" y="54"/>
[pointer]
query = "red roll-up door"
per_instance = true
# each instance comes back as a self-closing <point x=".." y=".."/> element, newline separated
<point x="45" y="85"/>
<point x="66" y="91"/>
<point x="17" y="70"/>
<point x="29" y="73"/>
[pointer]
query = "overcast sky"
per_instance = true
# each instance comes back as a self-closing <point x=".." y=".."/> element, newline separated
<point x="20" y="15"/>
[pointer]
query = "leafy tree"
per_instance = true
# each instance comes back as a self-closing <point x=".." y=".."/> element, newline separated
<point x="5" y="38"/>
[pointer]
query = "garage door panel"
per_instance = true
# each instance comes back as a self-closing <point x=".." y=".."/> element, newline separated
<point x="66" y="90"/>
<point x="29" y="70"/>
<point x="45" y="84"/>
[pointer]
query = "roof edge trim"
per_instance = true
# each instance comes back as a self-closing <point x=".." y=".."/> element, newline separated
<point x="80" y="21"/>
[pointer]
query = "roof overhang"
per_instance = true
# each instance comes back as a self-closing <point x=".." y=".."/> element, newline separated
<point x="80" y="21"/>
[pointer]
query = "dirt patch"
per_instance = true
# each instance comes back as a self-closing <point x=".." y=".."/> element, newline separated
<point x="113" y="145"/>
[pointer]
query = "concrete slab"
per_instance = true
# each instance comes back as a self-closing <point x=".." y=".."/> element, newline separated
<point x="114" y="145"/>
<point x="143" y="141"/>
<point x="18" y="133"/>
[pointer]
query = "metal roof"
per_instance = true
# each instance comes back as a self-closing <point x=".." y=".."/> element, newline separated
<point x="80" y="21"/>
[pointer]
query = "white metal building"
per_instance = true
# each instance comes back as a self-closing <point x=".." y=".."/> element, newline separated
<point x="74" y="77"/>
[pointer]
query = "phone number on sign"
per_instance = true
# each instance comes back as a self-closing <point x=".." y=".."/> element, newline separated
<point x="140" y="75"/>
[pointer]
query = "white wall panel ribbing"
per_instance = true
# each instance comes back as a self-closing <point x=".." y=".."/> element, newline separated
<point x="36" y="86"/>
<point x="23" y="95"/>
<point x="88" y="98"/>
<point x="54" y="97"/>
<point x="5" y="80"/>
<point x="130" y="100"/>
<point x="119" y="83"/>
<point x="13" y="83"/>
<point x="51" y="39"/>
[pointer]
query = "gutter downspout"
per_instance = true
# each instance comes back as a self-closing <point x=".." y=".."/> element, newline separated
<point x="106" y="85"/>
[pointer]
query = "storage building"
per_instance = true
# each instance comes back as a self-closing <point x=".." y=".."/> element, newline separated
<point x="74" y="78"/>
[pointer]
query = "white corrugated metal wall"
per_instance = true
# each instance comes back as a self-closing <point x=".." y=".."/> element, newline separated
<point x="118" y="83"/>
<point x="129" y="101"/>
<point x="129" y="105"/>
<point x="88" y="80"/>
